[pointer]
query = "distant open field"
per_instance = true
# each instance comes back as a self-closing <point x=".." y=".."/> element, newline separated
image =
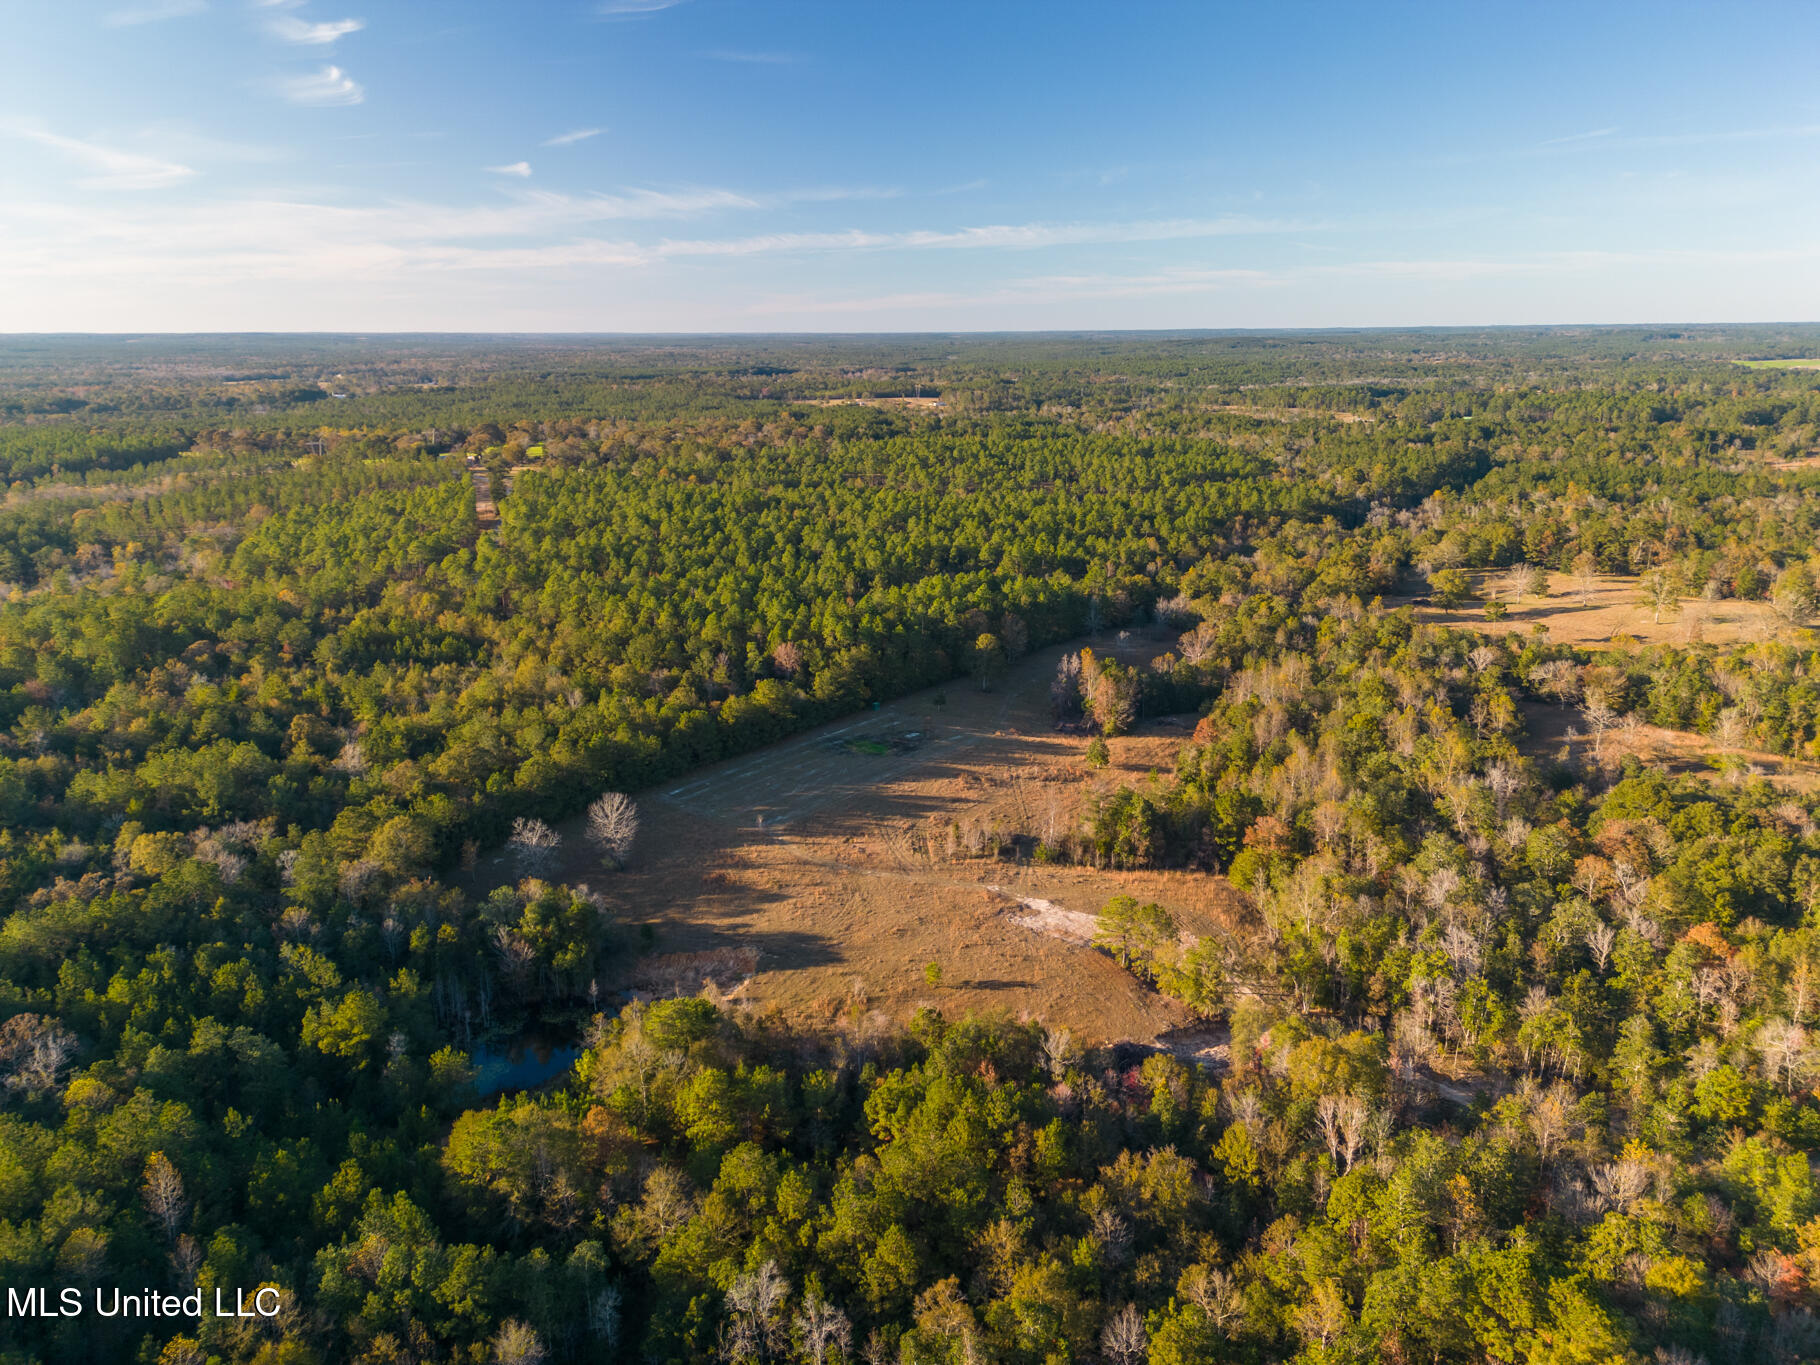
<point x="924" y="404"/>
<point x="1611" y="613"/>
<point x="1292" y="414"/>
<point x="1675" y="751"/>
<point x="786" y="875"/>
<point x="1782" y="364"/>
<point x="1808" y="462"/>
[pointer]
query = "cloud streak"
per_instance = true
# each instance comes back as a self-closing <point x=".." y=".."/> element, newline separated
<point x="113" y="168"/>
<point x="633" y="9"/>
<point x="294" y="30"/>
<point x="281" y="240"/>
<point x="1577" y="137"/>
<point x="522" y="169"/>
<point x="326" y="88"/>
<point x="533" y="263"/>
<point x="569" y="139"/>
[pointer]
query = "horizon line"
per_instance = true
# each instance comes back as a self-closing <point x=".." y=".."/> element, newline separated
<point x="133" y="333"/>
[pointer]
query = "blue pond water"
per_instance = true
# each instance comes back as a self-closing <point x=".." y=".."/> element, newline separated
<point x="520" y="1065"/>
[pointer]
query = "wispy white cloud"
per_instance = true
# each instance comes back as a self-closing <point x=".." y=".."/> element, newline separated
<point x="522" y="169"/>
<point x="631" y="9"/>
<point x="1577" y="137"/>
<point x="155" y="12"/>
<point x="753" y="58"/>
<point x="1611" y="139"/>
<point x="113" y="168"/>
<point x="1028" y="236"/>
<point x="292" y="239"/>
<point x="568" y="139"/>
<point x="1705" y="137"/>
<point x="531" y="262"/>
<point x="294" y="30"/>
<point x="327" y="87"/>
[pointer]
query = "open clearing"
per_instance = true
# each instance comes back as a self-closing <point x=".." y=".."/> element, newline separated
<point x="1612" y="612"/>
<point x="787" y="875"/>
<point x="924" y="404"/>
<point x="1293" y="414"/>
<point x="1674" y="751"/>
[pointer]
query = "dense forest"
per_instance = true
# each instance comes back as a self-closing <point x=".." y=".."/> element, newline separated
<point x="272" y="687"/>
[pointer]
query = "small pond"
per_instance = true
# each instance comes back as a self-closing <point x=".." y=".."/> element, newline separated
<point x="521" y="1064"/>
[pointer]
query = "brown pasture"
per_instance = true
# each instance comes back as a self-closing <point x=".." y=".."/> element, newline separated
<point x="1613" y="612"/>
<point x="788" y="877"/>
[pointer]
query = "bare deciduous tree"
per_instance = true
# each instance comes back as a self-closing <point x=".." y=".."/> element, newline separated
<point x="1619" y="1184"/>
<point x="1660" y="594"/>
<point x="533" y="845"/>
<point x="34" y="1051"/>
<point x="1520" y="580"/>
<point x="163" y="1195"/>
<point x="787" y="659"/>
<point x="1323" y="1315"/>
<point x="1504" y="781"/>
<point x="517" y="1344"/>
<point x="1786" y="1056"/>
<point x="603" y="1316"/>
<point x="1731" y="729"/>
<point x="1176" y="611"/>
<point x="1599" y="718"/>
<point x="823" y="1330"/>
<point x="1558" y="677"/>
<point x="1197" y="645"/>
<point x="1551" y="1115"/>
<point x="613" y="825"/>
<point x="1586" y="576"/>
<point x="1113" y="1234"/>
<point x="1343" y="1121"/>
<point x="1123" y="1339"/>
<point x="756" y="1326"/>
<point x="1212" y="1291"/>
<point x="1600" y="942"/>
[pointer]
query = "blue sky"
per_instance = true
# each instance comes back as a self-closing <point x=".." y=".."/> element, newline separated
<point x="759" y="165"/>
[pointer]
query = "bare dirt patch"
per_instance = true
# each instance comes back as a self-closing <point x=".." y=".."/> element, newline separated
<point x="812" y="854"/>
<point x="1046" y="917"/>
<point x="1612" y="613"/>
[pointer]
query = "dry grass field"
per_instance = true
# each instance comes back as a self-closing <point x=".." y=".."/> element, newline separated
<point x="788" y="878"/>
<point x="1675" y="751"/>
<point x="913" y="403"/>
<point x="800" y="877"/>
<point x="1612" y="613"/>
